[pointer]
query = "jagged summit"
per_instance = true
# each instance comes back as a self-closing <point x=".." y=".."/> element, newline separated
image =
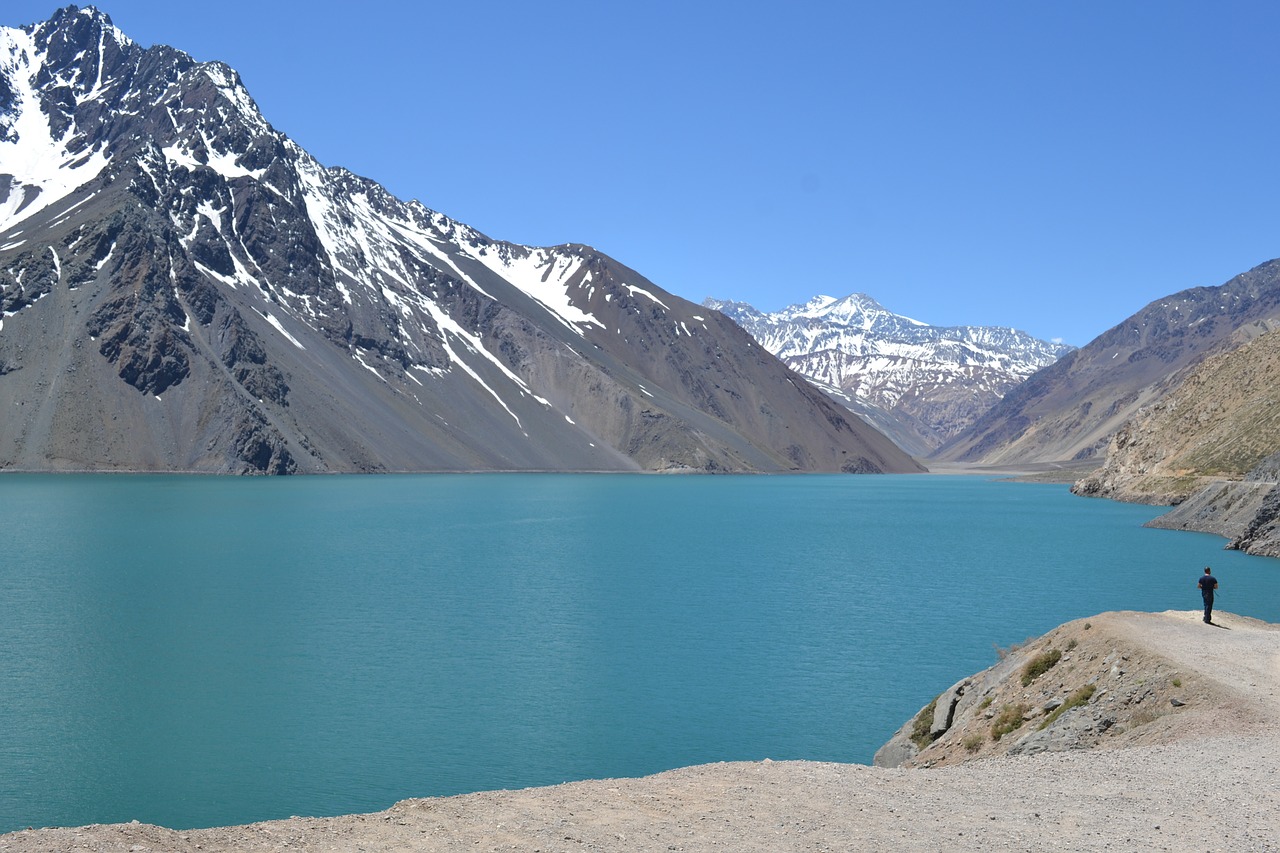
<point x="184" y="288"/>
<point x="854" y="309"/>
<point x="75" y="25"/>
<point x="918" y="383"/>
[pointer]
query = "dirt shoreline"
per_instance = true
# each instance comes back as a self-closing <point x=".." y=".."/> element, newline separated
<point x="1204" y="781"/>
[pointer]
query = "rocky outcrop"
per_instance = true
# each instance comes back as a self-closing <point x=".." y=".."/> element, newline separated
<point x="1262" y="535"/>
<point x="1083" y="685"/>
<point x="1225" y="509"/>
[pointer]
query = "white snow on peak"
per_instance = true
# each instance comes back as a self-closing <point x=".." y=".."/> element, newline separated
<point x="43" y="169"/>
<point x="92" y="12"/>
<point x="857" y="309"/>
<point x="813" y="307"/>
<point x="226" y="79"/>
<point x="874" y="355"/>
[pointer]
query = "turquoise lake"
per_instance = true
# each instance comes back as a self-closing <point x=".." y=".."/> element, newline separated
<point x="195" y="651"/>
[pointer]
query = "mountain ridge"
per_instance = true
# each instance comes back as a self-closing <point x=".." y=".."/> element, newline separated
<point x="1208" y="446"/>
<point x="210" y="298"/>
<point x="1069" y="410"/>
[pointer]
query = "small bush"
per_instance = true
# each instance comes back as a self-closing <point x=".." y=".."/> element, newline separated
<point x="1072" y="644"/>
<point x="986" y="703"/>
<point x="1079" y="697"/>
<point x="1002" y="653"/>
<point x="972" y="742"/>
<point x="1177" y="682"/>
<point x="1141" y="718"/>
<point x="1039" y="665"/>
<point x="922" y="728"/>
<point x="1009" y="719"/>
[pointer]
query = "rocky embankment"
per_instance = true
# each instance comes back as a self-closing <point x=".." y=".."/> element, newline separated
<point x="1175" y="747"/>
<point x="1246" y="512"/>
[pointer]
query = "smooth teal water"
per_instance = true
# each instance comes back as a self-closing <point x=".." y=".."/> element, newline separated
<point x="199" y="651"/>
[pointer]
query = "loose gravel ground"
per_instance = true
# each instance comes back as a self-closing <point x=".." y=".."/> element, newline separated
<point x="1211" y="787"/>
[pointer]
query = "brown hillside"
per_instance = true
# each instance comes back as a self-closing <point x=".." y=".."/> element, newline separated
<point x="1071" y="409"/>
<point x="1218" y="421"/>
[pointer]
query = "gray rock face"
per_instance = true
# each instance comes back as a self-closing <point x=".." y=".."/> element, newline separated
<point x="1261" y="536"/>
<point x="1246" y="513"/>
<point x="944" y="711"/>
<point x="1077" y="728"/>
<point x="189" y="290"/>
<point x="1223" y="509"/>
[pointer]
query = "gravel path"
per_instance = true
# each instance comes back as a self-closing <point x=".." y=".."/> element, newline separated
<point x="1213" y="788"/>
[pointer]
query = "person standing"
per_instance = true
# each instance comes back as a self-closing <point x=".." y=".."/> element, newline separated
<point x="1207" y="583"/>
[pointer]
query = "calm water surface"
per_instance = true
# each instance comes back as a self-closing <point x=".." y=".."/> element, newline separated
<point x="198" y="651"/>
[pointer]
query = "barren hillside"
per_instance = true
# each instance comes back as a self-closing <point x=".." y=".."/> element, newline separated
<point x="1217" y="422"/>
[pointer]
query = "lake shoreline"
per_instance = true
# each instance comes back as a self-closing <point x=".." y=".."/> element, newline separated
<point x="330" y="646"/>
<point x="1220" y="756"/>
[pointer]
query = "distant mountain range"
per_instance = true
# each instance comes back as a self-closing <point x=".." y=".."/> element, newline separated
<point x="186" y="289"/>
<point x="920" y="384"/>
<point x="1178" y="404"/>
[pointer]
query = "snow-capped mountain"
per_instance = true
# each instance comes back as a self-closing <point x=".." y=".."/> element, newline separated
<point x="185" y="288"/>
<point x="920" y="384"/>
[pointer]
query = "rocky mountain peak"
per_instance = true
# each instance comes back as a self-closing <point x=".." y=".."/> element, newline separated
<point x="77" y="28"/>
<point x="854" y="309"/>
<point x="185" y="288"/>
<point x="80" y="49"/>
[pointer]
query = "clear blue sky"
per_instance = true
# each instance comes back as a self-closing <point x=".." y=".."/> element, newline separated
<point x="1048" y="166"/>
